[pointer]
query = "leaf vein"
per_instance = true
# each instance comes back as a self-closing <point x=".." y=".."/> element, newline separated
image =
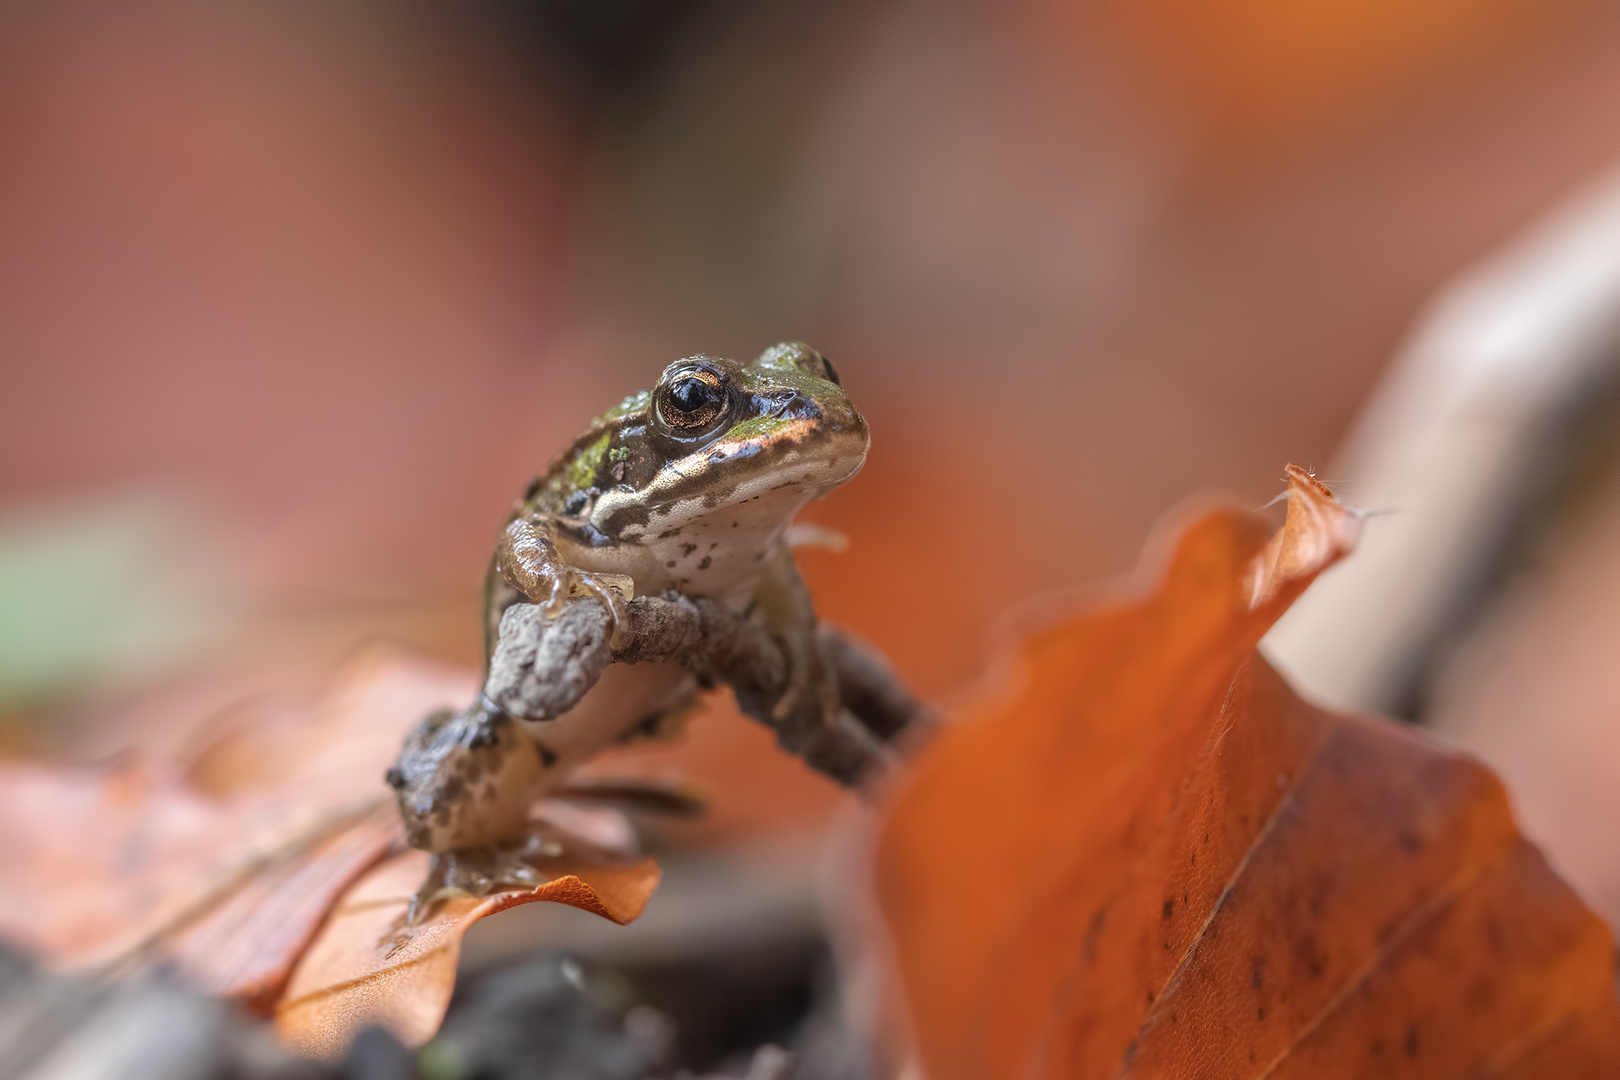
<point x="1417" y="920"/>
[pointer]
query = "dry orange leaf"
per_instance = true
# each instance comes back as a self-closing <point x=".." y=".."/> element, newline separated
<point x="227" y="863"/>
<point x="100" y="862"/>
<point x="1147" y="856"/>
<point x="245" y="943"/>
<point x="367" y="968"/>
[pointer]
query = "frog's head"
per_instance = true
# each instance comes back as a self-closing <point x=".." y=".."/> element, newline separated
<point x="775" y="434"/>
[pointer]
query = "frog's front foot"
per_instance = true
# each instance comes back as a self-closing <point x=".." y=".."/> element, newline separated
<point x="614" y="591"/>
<point x="529" y="561"/>
<point x="480" y="871"/>
<point x="807" y="677"/>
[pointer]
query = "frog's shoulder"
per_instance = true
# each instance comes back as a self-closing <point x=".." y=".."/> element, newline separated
<point x="579" y="465"/>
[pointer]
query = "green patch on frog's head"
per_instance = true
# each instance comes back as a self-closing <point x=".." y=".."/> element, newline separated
<point x="637" y="402"/>
<point x="795" y="359"/>
<point x="758" y="427"/>
<point x="728" y="433"/>
<point x="581" y="472"/>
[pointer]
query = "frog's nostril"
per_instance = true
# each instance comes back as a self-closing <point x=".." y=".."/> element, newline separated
<point x="792" y="404"/>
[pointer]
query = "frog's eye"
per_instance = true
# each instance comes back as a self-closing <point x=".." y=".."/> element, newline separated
<point x="691" y="401"/>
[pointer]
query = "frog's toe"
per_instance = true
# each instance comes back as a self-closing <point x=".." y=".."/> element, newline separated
<point x="478" y="872"/>
<point x="612" y="590"/>
<point x="561" y="587"/>
<point x="807" y="678"/>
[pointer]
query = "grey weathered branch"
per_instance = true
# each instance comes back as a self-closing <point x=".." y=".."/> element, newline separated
<point x="543" y="666"/>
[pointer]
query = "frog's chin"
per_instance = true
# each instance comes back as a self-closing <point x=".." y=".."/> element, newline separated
<point x="752" y="512"/>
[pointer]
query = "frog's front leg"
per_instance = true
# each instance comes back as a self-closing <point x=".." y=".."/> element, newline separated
<point x="528" y="559"/>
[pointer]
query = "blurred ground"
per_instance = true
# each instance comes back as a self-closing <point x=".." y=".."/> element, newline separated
<point x="315" y="290"/>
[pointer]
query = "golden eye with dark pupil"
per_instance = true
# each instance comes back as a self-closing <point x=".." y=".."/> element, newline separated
<point x="692" y="401"/>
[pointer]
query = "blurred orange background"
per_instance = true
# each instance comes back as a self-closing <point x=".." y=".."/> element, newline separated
<point x="293" y="300"/>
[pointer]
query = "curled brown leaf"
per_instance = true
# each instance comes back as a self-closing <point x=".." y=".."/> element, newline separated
<point x="368" y="968"/>
<point x="1146" y="856"/>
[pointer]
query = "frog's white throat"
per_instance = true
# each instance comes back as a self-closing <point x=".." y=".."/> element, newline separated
<point x="705" y="550"/>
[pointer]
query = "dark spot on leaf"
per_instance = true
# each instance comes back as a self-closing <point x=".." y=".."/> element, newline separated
<point x="1169" y="906"/>
<point x="1411" y="1044"/>
<point x="1261" y="1012"/>
<point x="1314" y="963"/>
<point x="1088" y="948"/>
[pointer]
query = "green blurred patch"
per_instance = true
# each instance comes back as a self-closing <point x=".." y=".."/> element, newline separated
<point x="97" y="590"/>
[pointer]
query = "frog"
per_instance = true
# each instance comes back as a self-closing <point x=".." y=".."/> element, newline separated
<point x="688" y="489"/>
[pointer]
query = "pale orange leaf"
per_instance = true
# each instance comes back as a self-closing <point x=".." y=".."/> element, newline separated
<point x="368" y="968"/>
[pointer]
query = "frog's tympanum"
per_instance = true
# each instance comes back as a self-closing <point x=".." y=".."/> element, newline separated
<point x="683" y="491"/>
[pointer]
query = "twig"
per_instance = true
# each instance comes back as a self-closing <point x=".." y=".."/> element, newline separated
<point x="543" y="666"/>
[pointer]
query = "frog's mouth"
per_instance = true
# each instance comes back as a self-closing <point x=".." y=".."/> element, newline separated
<point x="792" y="454"/>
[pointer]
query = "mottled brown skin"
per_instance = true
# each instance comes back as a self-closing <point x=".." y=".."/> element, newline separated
<point x="687" y="488"/>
